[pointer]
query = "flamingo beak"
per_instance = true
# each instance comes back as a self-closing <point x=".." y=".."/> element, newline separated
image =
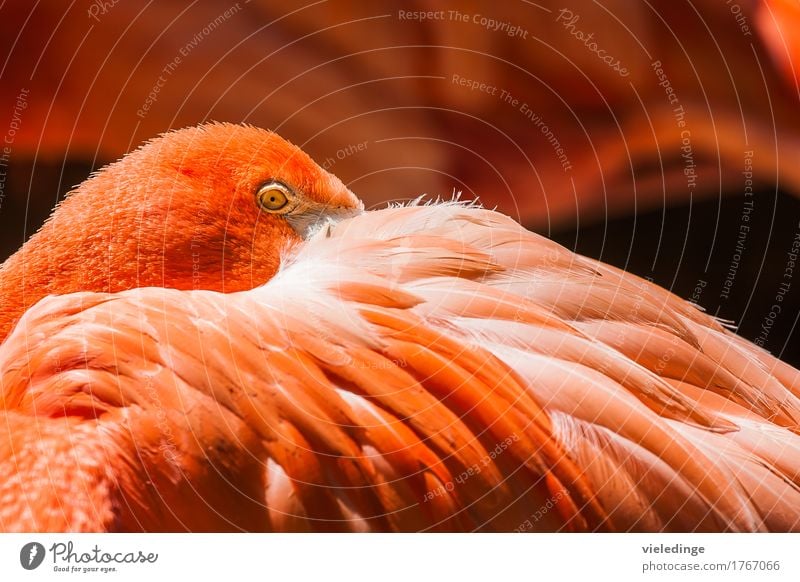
<point x="318" y="216"/>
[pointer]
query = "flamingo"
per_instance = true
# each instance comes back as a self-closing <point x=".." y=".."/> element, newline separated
<point x="425" y="367"/>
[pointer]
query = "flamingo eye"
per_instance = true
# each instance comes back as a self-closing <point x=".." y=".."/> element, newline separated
<point x="274" y="197"/>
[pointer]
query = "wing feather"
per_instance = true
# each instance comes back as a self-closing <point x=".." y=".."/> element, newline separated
<point x="418" y="368"/>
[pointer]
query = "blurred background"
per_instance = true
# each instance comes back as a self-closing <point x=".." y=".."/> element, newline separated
<point x="660" y="136"/>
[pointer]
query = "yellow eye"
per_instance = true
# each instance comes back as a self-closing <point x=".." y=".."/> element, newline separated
<point x="273" y="197"/>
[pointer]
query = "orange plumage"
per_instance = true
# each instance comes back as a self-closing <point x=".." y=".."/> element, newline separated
<point x="180" y="212"/>
<point x="416" y="368"/>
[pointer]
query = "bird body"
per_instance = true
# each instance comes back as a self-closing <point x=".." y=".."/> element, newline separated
<point x="419" y="368"/>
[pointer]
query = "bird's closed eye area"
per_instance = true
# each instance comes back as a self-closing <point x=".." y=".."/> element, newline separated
<point x="274" y="196"/>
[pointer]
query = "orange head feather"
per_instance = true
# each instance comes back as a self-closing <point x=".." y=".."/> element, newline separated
<point x="208" y="207"/>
